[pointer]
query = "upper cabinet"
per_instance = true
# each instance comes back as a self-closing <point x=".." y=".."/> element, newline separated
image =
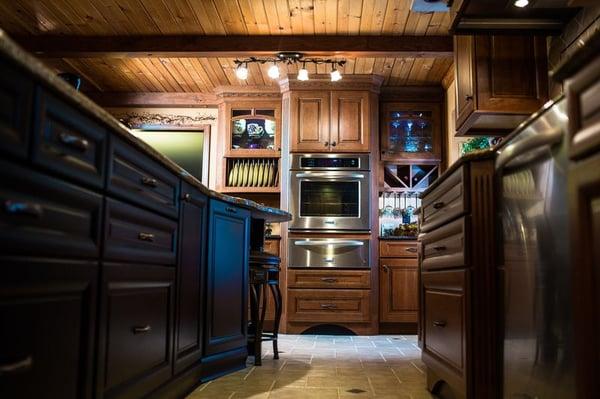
<point x="411" y="131"/>
<point x="500" y="81"/>
<point x="253" y="129"/>
<point x="330" y="121"/>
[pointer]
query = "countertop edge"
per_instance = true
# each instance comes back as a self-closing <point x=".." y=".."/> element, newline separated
<point x="25" y="60"/>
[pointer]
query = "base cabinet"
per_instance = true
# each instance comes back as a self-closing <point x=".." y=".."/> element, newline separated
<point x="47" y="319"/>
<point x="136" y="329"/>
<point x="226" y="278"/>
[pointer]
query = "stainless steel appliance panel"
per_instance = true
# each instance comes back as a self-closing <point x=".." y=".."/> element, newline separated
<point x="538" y="336"/>
<point x="329" y="253"/>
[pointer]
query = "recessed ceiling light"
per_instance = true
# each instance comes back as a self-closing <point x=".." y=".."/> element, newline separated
<point x="521" y="3"/>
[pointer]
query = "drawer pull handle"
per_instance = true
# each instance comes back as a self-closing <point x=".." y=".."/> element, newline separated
<point x="17" y="367"/>
<point x="231" y="209"/>
<point x="411" y="249"/>
<point x="23" y="208"/>
<point x="328" y="306"/>
<point x="440" y="248"/>
<point x="75" y="142"/>
<point x="438" y="205"/>
<point x="439" y="323"/>
<point x="150" y="182"/>
<point x="141" y="329"/>
<point x="146" y="237"/>
<point x="329" y="279"/>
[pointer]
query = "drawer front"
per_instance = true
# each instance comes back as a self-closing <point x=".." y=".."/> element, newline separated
<point x="445" y="202"/>
<point x="397" y="249"/>
<point x="272" y="246"/>
<point x="137" y="320"/>
<point x="583" y="97"/>
<point x="329" y="306"/>
<point x="40" y="215"/>
<point x="136" y="177"/>
<point x="47" y="318"/>
<point x="69" y="143"/>
<point x="16" y="93"/>
<point x="136" y="235"/>
<point x="444" y="327"/>
<point x="445" y="247"/>
<point x="300" y="278"/>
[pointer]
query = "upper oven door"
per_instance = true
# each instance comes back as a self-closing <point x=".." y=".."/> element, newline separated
<point x="330" y="200"/>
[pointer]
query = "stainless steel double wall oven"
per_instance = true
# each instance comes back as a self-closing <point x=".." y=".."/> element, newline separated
<point x="330" y="193"/>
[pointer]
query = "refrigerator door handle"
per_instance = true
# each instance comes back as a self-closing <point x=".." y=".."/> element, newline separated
<point x="539" y="141"/>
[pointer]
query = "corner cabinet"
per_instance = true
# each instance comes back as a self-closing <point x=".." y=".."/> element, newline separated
<point x="411" y="131"/>
<point x="226" y="278"/>
<point x="330" y="121"/>
<point x="500" y="81"/>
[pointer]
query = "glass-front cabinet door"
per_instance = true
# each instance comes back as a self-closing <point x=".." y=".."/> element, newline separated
<point x="254" y="131"/>
<point x="411" y="131"/>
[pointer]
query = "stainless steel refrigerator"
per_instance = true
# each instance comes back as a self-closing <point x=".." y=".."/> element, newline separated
<point x="534" y="272"/>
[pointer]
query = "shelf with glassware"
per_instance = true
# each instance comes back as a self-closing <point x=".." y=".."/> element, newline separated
<point x="254" y="130"/>
<point x="411" y="131"/>
<point x="399" y="197"/>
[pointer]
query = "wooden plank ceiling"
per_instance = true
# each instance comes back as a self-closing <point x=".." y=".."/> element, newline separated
<point x="221" y="17"/>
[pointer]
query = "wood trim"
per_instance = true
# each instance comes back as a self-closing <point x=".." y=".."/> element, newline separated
<point x="74" y="46"/>
<point x="412" y="94"/>
<point x="171" y="100"/>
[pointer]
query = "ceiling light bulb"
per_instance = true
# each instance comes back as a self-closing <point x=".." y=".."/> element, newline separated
<point x="335" y="75"/>
<point x="303" y="73"/>
<point x="521" y="3"/>
<point x="273" y="71"/>
<point x="241" y="72"/>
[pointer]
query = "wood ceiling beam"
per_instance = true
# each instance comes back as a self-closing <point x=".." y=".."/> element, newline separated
<point x="119" y="99"/>
<point x="236" y="46"/>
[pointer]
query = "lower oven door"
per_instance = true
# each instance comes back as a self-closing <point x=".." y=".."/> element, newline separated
<point x="330" y="201"/>
<point x="329" y="252"/>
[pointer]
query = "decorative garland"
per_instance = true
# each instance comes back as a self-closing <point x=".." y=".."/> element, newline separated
<point x="135" y="120"/>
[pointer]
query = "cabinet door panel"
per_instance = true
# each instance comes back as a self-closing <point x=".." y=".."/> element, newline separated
<point x="16" y="92"/>
<point x="463" y="70"/>
<point x="68" y="142"/>
<point x="399" y="290"/>
<point x="227" y="278"/>
<point x="47" y="317"/>
<point x="310" y="121"/>
<point x="136" y="330"/>
<point x="191" y="268"/>
<point x="350" y="121"/>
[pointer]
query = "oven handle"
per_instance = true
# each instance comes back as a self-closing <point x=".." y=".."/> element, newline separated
<point x="330" y="176"/>
<point x="339" y="243"/>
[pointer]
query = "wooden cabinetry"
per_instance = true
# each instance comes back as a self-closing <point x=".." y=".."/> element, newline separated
<point x="47" y="319"/>
<point x="191" y="269"/>
<point x="331" y="117"/>
<point x="398" y="282"/>
<point x="411" y="131"/>
<point x="458" y="286"/>
<point x="500" y="81"/>
<point x="227" y="278"/>
<point x="584" y="213"/>
<point x="16" y="93"/>
<point x="135" y="343"/>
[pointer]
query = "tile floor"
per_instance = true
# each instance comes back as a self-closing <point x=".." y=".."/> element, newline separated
<point x="325" y="366"/>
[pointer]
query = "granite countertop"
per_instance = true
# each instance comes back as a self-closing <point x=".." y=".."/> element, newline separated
<point x="392" y="238"/>
<point x="13" y="51"/>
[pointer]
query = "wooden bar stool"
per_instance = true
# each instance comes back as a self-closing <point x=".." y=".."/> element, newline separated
<point x="264" y="278"/>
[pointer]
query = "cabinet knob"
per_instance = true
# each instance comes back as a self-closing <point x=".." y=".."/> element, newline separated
<point x="16" y="367"/>
<point x="333" y="143"/>
<point x="468" y="97"/>
<point x="141" y="329"/>
<point x="439" y="323"/>
<point x="438" y="205"/>
<point x="327" y="144"/>
<point x="186" y="197"/>
<point x="386" y="268"/>
<point x="231" y="209"/>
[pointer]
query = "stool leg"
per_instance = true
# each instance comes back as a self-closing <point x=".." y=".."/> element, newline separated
<point x="278" y="308"/>
<point x="253" y="309"/>
<point x="258" y="329"/>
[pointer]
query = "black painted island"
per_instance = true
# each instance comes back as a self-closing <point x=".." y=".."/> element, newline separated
<point x="121" y="275"/>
